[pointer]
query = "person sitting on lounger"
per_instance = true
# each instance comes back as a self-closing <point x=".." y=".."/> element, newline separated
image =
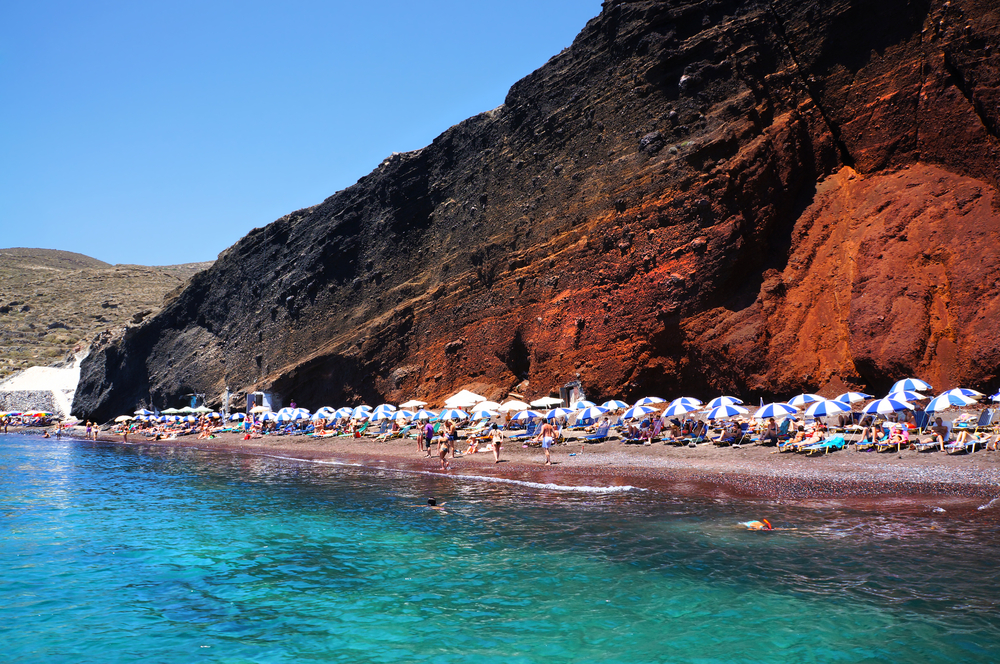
<point x="771" y="432"/>
<point x="940" y="432"/>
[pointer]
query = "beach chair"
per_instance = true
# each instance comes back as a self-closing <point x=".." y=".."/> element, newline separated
<point x="967" y="446"/>
<point x="985" y="420"/>
<point x="824" y="446"/>
<point x="529" y="432"/>
<point x="600" y="435"/>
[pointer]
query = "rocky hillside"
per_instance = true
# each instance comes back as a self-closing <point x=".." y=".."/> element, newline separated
<point x="54" y="303"/>
<point x="694" y="197"/>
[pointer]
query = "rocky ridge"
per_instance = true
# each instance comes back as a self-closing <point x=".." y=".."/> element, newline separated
<point x="695" y="197"/>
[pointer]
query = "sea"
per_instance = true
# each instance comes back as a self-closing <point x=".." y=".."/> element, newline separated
<point x="116" y="553"/>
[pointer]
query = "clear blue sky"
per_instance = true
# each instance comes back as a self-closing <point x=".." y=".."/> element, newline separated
<point x="162" y="132"/>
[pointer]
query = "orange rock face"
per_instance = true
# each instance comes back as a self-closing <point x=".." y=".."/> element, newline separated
<point x="694" y="198"/>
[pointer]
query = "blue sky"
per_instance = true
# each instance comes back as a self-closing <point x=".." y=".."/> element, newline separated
<point x="161" y="133"/>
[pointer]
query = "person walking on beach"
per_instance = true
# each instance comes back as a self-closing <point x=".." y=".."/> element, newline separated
<point x="428" y="436"/>
<point x="496" y="436"/>
<point x="451" y="433"/>
<point x="548" y="435"/>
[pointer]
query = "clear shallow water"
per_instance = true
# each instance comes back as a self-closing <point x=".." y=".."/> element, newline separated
<point x="118" y="553"/>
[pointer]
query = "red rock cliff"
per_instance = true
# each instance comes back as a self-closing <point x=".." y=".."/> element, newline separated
<point x="695" y="197"/>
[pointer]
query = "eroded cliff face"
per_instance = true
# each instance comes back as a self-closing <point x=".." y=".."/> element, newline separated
<point x="695" y="197"/>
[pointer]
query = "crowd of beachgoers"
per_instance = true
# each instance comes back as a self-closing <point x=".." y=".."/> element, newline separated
<point x="956" y="421"/>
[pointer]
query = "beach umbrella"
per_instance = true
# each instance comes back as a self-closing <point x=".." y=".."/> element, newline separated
<point x="189" y="418"/>
<point x="143" y="411"/>
<point x="804" y="400"/>
<point x="487" y="405"/>
<point x="947" y="400"/>
<point x="361" y="412"/>
<point x="384" y="408"/>
<point x="635" y="412"/>
<point x="905" y="395"/>
<point x="318" y="416"/>
<point x="886" y="406"/>
<point x="120" y="418"/>
<point x="525" y="415"/>
<point x="648" y="401"/>
<point x="559" y="412"/>
<point x="174" y="411"/>
<point x="344" y="411"/>
<point x="775" y="410"/>
<point x="995" y="397"/>
<point x="590" y="413"/>
<point x="412" y="403"/>
<point x="484" y="414"/>
<point x="723" y="401"/>
<point x="269" y="417"/>
<point x="423" y="414"/>
<point x="614" y="404"/>
<point x="688" y="401"/>
<point x="201" y="409"/>
<point x="680" y="408"/>
<point x="256" y="410"/>
<point x="401" y="415"/>
<point x="463" y="399"/>
<point x="965" y="392"/>
<point x="914" y="384"/>
<point x="581" y="404"/>
<point x="853" y="397"/>
<point x="726" y="410"/>
<point x="825" y="408"/>
<point x="186" y="410"/>
<point x="513" y="405"/>
<point x="213" y="415"/>
<point x="237" y="416"/>
<point x="546" y="402"/>
<point x="453" y="414"/>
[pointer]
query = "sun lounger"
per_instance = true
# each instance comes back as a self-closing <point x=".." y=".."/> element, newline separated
<point x="598" y="436"/>
<point x="527" y="433"/>
<point x="824" y="446"/>
<point x="968" y="446"/>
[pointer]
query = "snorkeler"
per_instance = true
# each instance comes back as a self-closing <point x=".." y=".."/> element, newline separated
<point x="763" y="524"/>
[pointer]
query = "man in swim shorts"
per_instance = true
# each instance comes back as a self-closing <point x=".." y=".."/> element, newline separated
<point x="548" y="437"/>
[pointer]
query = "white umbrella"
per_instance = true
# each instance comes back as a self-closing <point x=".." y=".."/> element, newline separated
<point x="914" y="384"/>
<point x="546" y="402"/>
<point x="487" y="405"/>
<point x="723" y="401"/>
<point x="463" y="399"/>
<point x="124" y="418"/>
<point x="824" y="408"/>
<point x="256" y="410"/>
<point x="804" y="400"/>
<point x="774" y="410"/>
<point x="513" y="405"/>
<point x="412" y="403"/>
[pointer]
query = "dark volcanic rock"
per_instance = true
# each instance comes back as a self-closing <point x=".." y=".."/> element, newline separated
<point x="694" y="197"/>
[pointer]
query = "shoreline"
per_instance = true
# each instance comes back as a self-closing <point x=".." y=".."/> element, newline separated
<point x="867" y="480"/>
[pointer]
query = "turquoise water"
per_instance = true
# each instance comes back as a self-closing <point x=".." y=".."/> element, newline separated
<point x="115" y="553"/>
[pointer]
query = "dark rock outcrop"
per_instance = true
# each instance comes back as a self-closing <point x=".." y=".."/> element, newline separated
<point x="694" y="197"/>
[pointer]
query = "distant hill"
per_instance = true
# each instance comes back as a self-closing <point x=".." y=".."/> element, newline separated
<point x="53" y="303"/>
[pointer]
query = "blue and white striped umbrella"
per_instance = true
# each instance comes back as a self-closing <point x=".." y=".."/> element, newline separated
<point x="453" y="414"/>
<point x="401" y="415"/>
<point x="590" y="413"/>
<point x="853" y="397"/>
<point x="824" y="408"/>
<point x="914" y="384"/>
<point x="143" y="411"/>
<point x="726" y="410"/>
<point x="484" y="414"/>
<point x="424" y="414"/>
<point x="804" y="400"/>
<point x="346" y="411"/>
<point x="689" y="401"/>
<point x="316" y="417"/>
<point x="237" y="416"/>
<point x="775" y="410"/>
<point x="965" y="392"/>
<point x="614" y="404"/>
<point x="559" y="412"/>
<point x="723" y="401"/>
<point x="384" y="409"/>
<point x="905" y="395"/>
<point x="581" y="404"/>
<point x="362" y="412"/>
<point x="635" y="412"/>
<point x="886" y="406"/>
<point x="649" y="401"/>
<point x="526" y="415"/>
<point x="680" y="408"/>
<point x="190" y="418"/>
<point x="995" y="397"/>
<point x="948" y="400"/>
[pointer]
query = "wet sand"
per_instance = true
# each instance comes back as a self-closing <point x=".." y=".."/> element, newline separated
<point x="907" y="480"/>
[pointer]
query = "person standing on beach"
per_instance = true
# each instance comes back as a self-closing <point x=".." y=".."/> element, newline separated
<point x="496" y="436"/>
<point x="443" y="442"/>
<point x="428" y="436"/>
<point x="451" y="433"/>
<point x="548" y="435"/>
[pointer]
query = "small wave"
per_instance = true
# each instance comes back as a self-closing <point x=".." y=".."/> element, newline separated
<point x="989" y="504"/>
<point x="549" y="486"/>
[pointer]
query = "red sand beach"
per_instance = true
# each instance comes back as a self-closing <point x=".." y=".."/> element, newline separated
<point x="890" y="481"/>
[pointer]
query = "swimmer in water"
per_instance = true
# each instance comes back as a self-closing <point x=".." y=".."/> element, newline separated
<point x="432" y="503"/>
<point x="763" y="524"/>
